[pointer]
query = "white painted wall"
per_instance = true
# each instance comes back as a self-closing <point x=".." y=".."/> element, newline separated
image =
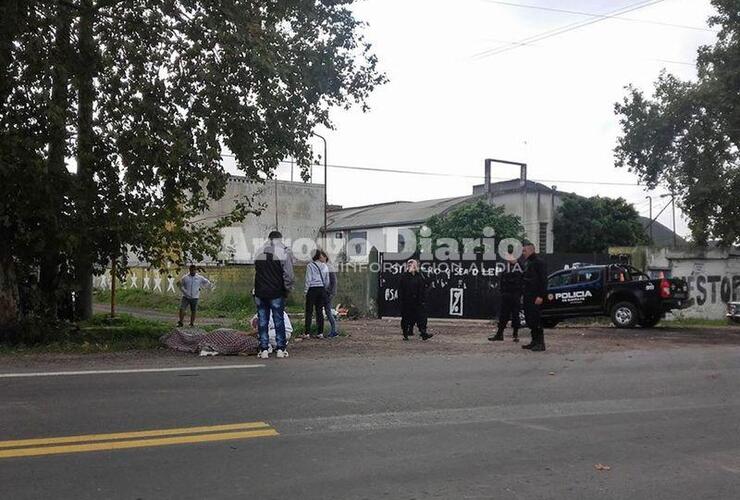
<point x="713" y="277"/>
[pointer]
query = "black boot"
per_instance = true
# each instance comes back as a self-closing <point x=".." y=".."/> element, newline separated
<point x="532" y="342"/>
<point x="405" y="334"/>
<point x="515" y="335"/>
<point x="539" y="341"/>
<point x="498" y="337"/>
<point x="426" y="335"/>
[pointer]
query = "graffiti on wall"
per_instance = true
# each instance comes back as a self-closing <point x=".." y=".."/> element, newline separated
<point x="712" y="289"/>
<point x="143" y="279"/>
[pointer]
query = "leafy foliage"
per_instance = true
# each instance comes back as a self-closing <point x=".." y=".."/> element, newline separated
<point x="145" y="95"/>
<point x="470" y="220"/>
<point x="686" y="137"/>
<point x="592" y="225"/>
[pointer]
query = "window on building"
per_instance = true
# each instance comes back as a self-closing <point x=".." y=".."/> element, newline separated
<point x="543" y="237"/>
<point x="357" y="244"/>
<point x="401" y="242"/>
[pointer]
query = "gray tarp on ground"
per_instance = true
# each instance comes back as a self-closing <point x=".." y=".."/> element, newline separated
<point x="223" y="341"/>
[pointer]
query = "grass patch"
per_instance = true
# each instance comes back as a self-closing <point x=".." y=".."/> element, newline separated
<point x="216" y="304"/>
<point x="100" y="334"/>
<point x="695" y="322"/>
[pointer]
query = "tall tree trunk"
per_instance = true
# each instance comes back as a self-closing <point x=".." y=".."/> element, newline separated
<point x="57" y="176"/>
<point x="86" y="187"/>
<point x="9" y="311"/>
<point x="12" y="22"/>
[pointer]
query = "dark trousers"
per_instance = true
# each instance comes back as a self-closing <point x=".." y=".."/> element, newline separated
<point x="534" y="323"/>
<point x="510" y="307"/>
<point x="315" y="301"/>
<point x="415" y="314"/>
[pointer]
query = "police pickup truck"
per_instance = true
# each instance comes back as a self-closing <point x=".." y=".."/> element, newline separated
<point x="619" y="291"/>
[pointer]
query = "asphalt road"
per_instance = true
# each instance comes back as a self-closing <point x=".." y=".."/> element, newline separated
<point x="666" y="422"/>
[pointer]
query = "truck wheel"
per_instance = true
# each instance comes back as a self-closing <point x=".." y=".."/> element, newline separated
<point x="624" y="315"/>
<point x="650" y="321"/>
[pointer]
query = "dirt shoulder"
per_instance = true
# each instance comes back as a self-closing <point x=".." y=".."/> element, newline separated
<point x="374" y="337"/>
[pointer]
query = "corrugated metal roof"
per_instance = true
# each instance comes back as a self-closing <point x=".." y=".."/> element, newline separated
<point x="397" y="213"/>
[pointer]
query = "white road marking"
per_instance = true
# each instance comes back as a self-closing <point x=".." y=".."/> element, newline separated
<point x="130" y="370"/>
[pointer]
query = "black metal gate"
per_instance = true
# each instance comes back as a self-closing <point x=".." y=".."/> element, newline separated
<point x="455" y="289"/>
<point x="460" y="289"/>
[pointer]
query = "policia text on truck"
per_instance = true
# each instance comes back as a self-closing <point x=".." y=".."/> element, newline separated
<point x="621" y="292"/>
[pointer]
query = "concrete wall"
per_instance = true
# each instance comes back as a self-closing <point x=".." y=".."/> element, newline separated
<point x="295" y="208"/>
<point x="355" y="284"/>
<point x="713" y="276"/>
<point x="533" y="208"/>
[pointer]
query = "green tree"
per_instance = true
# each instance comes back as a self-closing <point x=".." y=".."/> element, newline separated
<point x="686" y="137"/>
<point x="469" y="221"/>
<point x="145" y="95"/>
<point x="592" y="225"/>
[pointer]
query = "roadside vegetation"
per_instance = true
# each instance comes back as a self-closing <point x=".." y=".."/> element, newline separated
<point x="228" y="305"/>
<point x="98" y="334"/>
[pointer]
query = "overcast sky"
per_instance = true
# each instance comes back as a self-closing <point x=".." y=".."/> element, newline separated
<point x="549" y="104"/>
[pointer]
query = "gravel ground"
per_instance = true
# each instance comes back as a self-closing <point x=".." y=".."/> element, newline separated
<point x="374" y="337"/>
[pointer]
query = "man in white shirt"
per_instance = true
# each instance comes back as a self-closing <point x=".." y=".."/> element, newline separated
<point x="190" y="286"/>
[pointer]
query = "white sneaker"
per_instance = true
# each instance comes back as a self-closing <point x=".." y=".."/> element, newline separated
<point x="282" y="354"/>
<point x="263" y="354"/>
<point x="269" y="350"/>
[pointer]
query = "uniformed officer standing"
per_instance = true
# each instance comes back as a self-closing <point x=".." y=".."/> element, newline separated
<point x="535" y="289"/>
<point x="510" y="284"/>
<point x="412" y="294"/>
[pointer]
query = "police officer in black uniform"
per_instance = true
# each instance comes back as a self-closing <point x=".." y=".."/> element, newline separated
<point x="511" y="284"/>
<point x="535" y="289"/>
<point x="412" y="295"/>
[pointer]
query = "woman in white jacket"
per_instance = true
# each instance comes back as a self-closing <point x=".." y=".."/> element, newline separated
<point x="317" y="283"/>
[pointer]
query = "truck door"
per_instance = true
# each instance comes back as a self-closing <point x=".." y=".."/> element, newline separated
<point x="557" y="284"/>
<point x="590" y="289"/>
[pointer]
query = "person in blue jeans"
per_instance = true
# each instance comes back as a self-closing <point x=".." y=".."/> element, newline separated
<point x="273" y="281"/>
<point x="331" y="291"/>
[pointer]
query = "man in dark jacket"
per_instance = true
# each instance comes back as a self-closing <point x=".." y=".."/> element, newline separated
<point x="510" y="284"/>
<point x="411" y="295"/>
<point x="535" y="289"/>
<point x="273" y="281"/>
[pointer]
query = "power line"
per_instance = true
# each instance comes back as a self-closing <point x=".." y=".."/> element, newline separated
<point x="565" y="29"/>
<point x="668" y="61"/>
<point x="458" y="176"/>
<point x="600" y="16"/>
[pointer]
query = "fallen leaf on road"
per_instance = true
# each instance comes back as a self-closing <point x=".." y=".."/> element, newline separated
<point x="602" y="467"/>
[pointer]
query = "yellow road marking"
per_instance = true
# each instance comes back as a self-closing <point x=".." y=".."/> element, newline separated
<point x="129" y="435"/>
<point x="140" y="443"/>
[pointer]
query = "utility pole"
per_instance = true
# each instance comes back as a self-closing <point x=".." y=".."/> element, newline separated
<point x="113" y="288"/>
<point x="650" y="198"/>
<point x="325" y="184"/>
<point x="673" y="209"/>
<point x="277" y="228"/>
